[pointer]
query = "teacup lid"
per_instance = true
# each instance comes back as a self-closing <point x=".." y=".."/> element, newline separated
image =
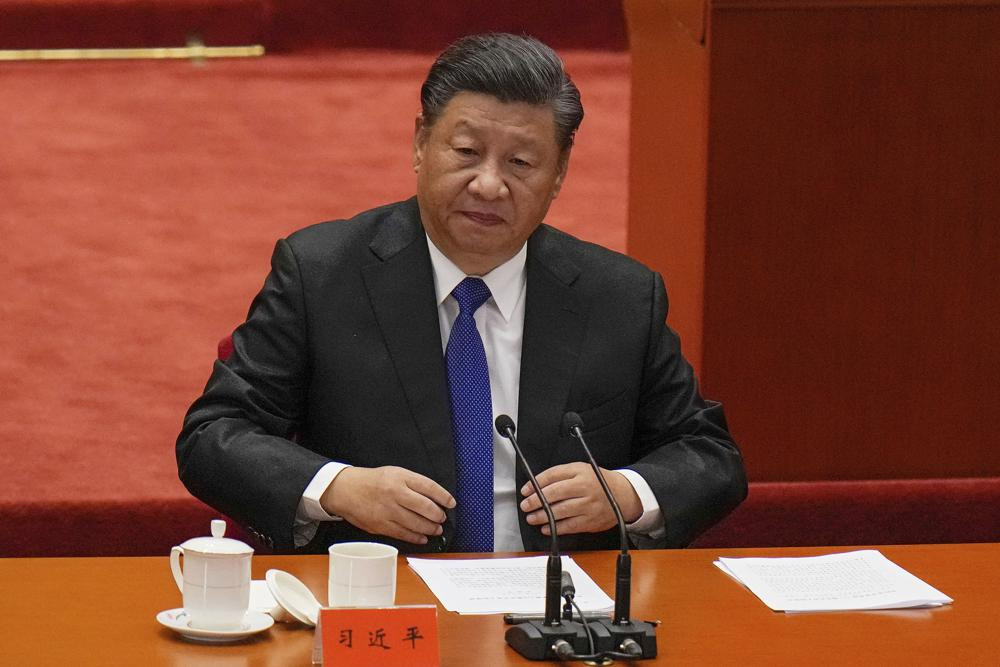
<point x="217" y="544"/>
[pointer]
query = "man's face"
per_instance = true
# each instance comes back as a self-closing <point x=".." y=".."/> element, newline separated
<point x="486" y="173"/>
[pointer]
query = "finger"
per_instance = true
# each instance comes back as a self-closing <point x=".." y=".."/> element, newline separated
<point x="548" y="476"/>
<point x="415" y="522"/>
<point x="576" y="524"/>
<point x="530" y="503"/>
<point x="403" y="533"/>
<point x="426" y="486"/>
<point x="560" y="491"/>
<point x="421" y="505"/>
<point x="537" y="519"/>
<point x="562" y="510"/>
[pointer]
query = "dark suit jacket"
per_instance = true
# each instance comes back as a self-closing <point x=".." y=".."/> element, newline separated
<point x="340" y="359"/>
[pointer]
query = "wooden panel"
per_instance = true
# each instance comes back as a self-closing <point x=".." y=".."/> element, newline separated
<point x="851" y="304"/>
<point x="841" y="289"/>
<point x="667" y="160"/>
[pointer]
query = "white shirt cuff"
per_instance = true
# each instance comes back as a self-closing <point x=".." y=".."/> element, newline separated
<point x="650" y="522"/>
<point x="310" y="511"/>
<point x="310" y="508"/>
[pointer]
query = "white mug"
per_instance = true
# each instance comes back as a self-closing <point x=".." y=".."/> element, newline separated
<point x="362" y="574"/>
<point x="215" y="580"/>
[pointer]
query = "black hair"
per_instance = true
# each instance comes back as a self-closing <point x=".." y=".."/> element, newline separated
<point x="511" y="68"/>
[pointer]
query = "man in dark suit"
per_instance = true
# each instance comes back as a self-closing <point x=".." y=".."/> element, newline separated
<point x="358" y="401"/>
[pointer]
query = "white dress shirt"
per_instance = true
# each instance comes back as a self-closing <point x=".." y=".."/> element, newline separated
<point x="500" y="321"/>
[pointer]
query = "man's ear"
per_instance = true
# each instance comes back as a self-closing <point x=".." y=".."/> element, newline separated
<point x="419" y="140"/>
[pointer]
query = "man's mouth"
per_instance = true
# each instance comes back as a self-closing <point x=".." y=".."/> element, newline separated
<point x="483" y="218"/>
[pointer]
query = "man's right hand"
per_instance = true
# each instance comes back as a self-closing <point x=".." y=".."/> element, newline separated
<point x="389" y="501"/>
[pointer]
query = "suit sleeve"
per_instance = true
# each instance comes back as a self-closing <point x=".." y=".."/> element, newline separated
<point x="236" y="451"/>
<point x="682" y="446"/>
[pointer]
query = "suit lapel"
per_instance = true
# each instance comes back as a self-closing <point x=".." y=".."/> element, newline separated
<point x="401" y="289"/>
<point x="554" y="323"/>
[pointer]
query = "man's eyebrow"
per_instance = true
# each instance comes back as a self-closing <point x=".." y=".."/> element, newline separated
<point x="524" y="140"/>
<point x="464" y="124"/>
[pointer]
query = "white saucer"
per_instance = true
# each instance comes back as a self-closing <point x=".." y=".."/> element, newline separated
<point x="177" y="620"/>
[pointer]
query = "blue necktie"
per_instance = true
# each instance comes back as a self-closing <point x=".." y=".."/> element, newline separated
<point x="471" y="421"/>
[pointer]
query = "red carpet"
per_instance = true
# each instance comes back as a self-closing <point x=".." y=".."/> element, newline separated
<point x="140" y="203"/>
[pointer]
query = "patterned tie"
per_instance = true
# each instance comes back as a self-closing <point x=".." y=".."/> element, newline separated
<point x="471" y="421"/>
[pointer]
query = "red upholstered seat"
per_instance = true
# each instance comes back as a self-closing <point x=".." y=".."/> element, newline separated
<point x="896" y="511"/>
<point x="775" y="514"/>
<point x="225" y="348"/>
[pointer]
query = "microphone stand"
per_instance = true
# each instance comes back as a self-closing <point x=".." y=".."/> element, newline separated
<point x="635" y="639"/>
<point x="552" y="638"/>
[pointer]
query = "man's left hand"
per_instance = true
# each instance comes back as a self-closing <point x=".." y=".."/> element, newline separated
<point x="577" y="500"/>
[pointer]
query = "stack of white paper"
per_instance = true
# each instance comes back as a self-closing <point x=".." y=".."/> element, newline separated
<point x="500" y="585"/>
<point x="855" y="580"/>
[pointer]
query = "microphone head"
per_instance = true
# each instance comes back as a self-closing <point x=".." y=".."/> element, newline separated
<point x="504" y="425"/>
<point x="571" y="421"/>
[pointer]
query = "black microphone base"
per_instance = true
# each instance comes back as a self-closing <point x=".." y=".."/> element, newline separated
<point x="614" y="636"/>
<point x="536" y="641"/>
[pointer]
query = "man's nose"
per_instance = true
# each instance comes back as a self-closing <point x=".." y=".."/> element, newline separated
<point x="488" y="183"/>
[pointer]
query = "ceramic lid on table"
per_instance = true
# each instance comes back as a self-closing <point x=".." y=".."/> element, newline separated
<point x="217" y="545"/>
<point x="293" y="597"/>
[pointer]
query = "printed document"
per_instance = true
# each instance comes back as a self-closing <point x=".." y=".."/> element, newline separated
<point x="855" y="580"/>
<point x="501" y="585"/>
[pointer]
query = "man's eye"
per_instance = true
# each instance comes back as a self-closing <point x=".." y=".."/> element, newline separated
<point x="516" y="161"/>
<point x="462" y="150"/>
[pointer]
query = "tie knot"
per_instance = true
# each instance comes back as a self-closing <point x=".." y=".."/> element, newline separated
<point x="470" y="294"/>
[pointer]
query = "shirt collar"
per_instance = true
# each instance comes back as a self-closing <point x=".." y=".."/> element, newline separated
<point x="506" y="282"/>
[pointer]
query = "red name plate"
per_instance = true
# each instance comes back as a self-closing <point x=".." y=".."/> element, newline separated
<point x="378" y="637"/>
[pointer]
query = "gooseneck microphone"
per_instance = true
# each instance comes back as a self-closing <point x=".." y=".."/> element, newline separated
<point x="553" y="638"/>
<point x="553" y="573"/>
<point x="637" y="639"/>
<point x="573" y="425"/>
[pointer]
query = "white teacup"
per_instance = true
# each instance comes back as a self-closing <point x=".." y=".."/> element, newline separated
<point x="362" y="574"/>
<point x="215" y="580"/>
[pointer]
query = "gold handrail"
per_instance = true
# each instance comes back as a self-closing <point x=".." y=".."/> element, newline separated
<point x="191" y="51"/>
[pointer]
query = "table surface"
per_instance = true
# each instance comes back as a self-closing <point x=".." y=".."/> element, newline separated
<point x="101" y="611"/>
